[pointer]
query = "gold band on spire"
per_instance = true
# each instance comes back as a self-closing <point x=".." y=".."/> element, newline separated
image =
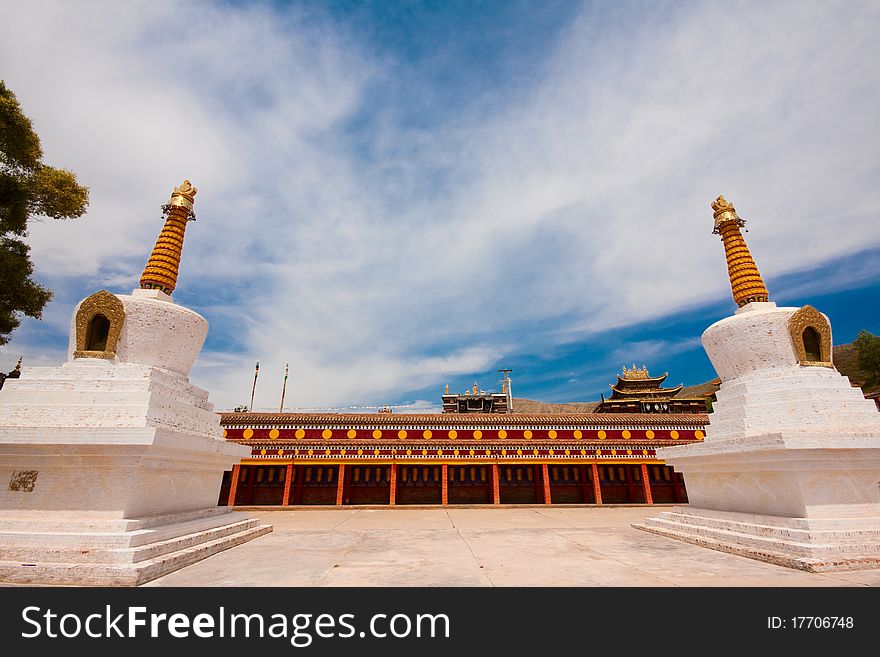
<point x="745" y="279"/>
<point x="162" y="267"/>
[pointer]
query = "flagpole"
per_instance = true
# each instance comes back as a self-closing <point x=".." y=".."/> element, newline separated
<point x="284" y="387"/>
<point x="254" y="389"/>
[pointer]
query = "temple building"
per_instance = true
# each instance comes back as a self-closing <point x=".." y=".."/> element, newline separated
<point x="468" y="456"/>
<point x="479" y="401"/>
<point x="636" y="391"/>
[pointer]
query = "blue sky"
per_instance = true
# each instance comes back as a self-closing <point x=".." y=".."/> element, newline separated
<point x="399" y="195"/>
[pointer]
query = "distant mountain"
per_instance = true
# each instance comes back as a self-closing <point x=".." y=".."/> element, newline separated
<point x="845" y="360"/>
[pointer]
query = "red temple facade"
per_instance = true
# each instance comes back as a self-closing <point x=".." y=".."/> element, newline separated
<point x="456" y="458"/>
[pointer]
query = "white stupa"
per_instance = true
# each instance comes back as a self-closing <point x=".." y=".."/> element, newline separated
<point x="789" y="471"/>
<point x="111" y="464"/>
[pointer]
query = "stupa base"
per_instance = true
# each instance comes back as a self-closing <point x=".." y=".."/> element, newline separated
<point x="815" y="545"/>
<point x="95" y="551"/>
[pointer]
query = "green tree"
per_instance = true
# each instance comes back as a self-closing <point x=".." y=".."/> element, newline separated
<point x="28" y="189"/>
<point x="868" y="348"/>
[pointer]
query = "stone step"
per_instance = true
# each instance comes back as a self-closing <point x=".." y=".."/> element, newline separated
<point x="757" y="529"/>
<point x="123" y="574"/>
<point x="117" y="548"/>
<point x="812" y="564"/>
<point x="59" y="522"/>
<point x="155" y="550"/>
<point x="815" y="548"/>
<point x="108" y="539"/>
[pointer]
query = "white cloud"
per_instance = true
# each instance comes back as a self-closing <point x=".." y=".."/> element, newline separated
<point x="577" y="204"/>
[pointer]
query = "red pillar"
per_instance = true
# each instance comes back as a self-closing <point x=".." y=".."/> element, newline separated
<point x="285" y="501"/>
<point x="233" y="484"/>
<point x="496" y="486"/>
<point x="393" y="497"/>
<point x="545" y="475"/>
<point x="340" y="484"/>
<point x="647" y="484"/>
<point x="597" y="487"/>
<point x="444" y="486"/>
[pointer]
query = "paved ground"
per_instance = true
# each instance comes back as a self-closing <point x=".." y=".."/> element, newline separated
<point x="531" y="546"/>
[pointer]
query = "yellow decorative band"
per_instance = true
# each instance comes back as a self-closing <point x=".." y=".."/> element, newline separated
<point x="181" y="201"/>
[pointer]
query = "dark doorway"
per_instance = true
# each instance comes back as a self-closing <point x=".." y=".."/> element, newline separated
<point x="96" y="335"/>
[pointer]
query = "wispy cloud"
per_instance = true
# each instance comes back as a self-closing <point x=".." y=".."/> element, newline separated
<point x="380" y="255"/>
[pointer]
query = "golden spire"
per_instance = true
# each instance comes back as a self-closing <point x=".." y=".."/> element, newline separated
<point x="161" y="270"/>
<point x="636" y="374"/>
<point x="745" y="279"/>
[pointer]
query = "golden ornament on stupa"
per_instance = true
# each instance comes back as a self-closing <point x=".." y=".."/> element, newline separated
<point x="745" y="279"/>
<point x="162" y="268"/>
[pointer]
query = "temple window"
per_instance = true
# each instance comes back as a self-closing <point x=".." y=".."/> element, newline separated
<point x="96" y="335"/>
<point x="812" y="344"/>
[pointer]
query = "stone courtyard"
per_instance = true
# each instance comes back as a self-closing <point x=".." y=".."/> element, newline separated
<point x="514" y="546"/>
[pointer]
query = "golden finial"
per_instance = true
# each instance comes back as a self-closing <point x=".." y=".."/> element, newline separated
<point x="186" y="192"/>
<point x="162" y="268"/>
<point x="745" y="279"/>
<point x="635" y="373"/>
<point x="447" y="388"/>
<point x="724" y="211"/>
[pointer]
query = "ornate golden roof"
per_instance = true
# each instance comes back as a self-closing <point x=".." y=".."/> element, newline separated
<point x="635" y="374"/>
<point x="745" y="279"/>
<point x="162" y="267"/>
<point x="487" y="420"/>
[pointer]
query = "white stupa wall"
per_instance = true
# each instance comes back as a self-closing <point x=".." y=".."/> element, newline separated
<point x="765" y="389"/>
